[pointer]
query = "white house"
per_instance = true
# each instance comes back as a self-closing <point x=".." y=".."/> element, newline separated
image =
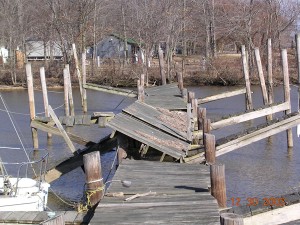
<point x="35" y="50"/>
<point x="4" y="54"/>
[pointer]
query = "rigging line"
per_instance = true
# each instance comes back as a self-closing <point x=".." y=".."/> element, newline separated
<point x="5" y="106"/>
<point x="123" y="100"/>
<point x="27" y="114"/>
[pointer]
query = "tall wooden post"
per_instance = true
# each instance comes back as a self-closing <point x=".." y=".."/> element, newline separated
<point x="218" y="184"/>
<point x="45" y="96"/>
<point x="84" y="97"/>
<point x="66" y="92"/>
<point x="78" y="71"/>
<point x="287" y="97"/>
<point x="261" y="78"/>
<point x="189" y="122"/>
<point x="93" y="177"/>
<point x="201" y="116"/>
<point x="210" y="148"/>
<point x="206" y="126"/>
<point x="249" y="104"/>
<point x="298" y="66"/>
<point x="270" y="74"/>
<point x="31" y="104"/>
<point x="162" y="65"/>
<point x="141" y="96"/>
<point x="71" y="101"/>
<point x="180" y="81"/>
<point x="142" y="83"/>
<point x="231" y="219"/>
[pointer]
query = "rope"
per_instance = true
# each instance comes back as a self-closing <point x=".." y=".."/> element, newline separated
<point x="27" y="114"/>
<point x="112" y="165"/>
<point x="89" y="193"/>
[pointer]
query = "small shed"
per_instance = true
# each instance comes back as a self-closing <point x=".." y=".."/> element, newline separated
<point x="113" y="46"/>
<point x="35" y="50"/>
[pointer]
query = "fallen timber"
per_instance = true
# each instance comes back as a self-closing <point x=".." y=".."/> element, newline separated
<point x="109" y="89"/>
<point x="175" y="194"/>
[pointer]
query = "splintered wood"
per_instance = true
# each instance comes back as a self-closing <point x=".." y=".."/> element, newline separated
<point x="175" y="119"/>
<point x="168" y="143"/>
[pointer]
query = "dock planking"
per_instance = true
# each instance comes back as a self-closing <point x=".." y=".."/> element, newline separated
<point x="179" y="195"/>
<point x="33" y="217"/>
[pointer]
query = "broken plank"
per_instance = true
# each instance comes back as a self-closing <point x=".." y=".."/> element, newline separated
<point x="258" y="135"/>
<point x="86" y="120"/>
<point x="61" y="129"/>
<point x="221" y="96"/>
<point x="103" y="114"/>
<point x="250" y="115"/>
<point x="112" y="90"/>
<point x="53" y="130"/>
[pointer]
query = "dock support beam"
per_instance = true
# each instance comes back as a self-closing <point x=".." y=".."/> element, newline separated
<point x="287" y="97"/>
<point x="218" y="185"/>
<point x="249" y="104"/>
<point x="270" y="75"/>
<point x="31" y="104"/>
<point x="210" y="148"/>
<point x="231" y="219"/>
<point x="94" y="180"/>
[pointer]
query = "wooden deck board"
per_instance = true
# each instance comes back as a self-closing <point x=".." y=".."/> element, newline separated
<point x="182" y="195"/>
<point x="151" y="116"/>
<point x="140" y="131"/>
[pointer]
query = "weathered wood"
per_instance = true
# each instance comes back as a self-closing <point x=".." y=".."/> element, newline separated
<point x="93" y="176"/>
<point x="200" y="117"/>
<point x="287" y="97"/>
<point x="86" y="120"/>
<point x="250" y="115"/>
<point x="221" y="96"/>
<point x="84" y="96"/>
<point x="45" y="95"/>
<point x="61" y="129"/>
<point x="195" y="108"/>
<point x="297" y="37"/>
<point x="53" y="130"/>
<point x="78" y="71"/>
<point x="249" y="103"/>
<point x="270" y="75"/>
<point x="206" y="126"/>
<point x="103" y="114"/>
<point x="141" y="95"/>
<point x="180" y="189"/>
<point x="210" y="148"/>
<point x="31" y="104"/>
<point x="161" y="65"/>
<point x="231" y="219"/>
<point x="258" y="135"/>
<point x="57" y="220"/>
<point x="102" y="122"/>
<point x="179" y="80"/>
<point x="218" y="184"/>
<point x="189" y="122"/>
<point x="191" y="96"/>
<point x="113" y="90"/>
<point x="70" y="92"/>
<point x="261" y="76"/>
<point x="66" y="92"/>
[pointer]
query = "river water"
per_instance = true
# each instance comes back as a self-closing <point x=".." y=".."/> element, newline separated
<point x="263" y="169"/>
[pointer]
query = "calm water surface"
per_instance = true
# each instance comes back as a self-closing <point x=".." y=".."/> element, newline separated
<point x="263" y="169"/>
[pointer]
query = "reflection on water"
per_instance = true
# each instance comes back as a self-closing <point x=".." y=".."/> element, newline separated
<point x="263" y="169"/>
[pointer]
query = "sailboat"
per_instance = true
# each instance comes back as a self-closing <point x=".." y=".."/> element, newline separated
<point x="19" y="192"/>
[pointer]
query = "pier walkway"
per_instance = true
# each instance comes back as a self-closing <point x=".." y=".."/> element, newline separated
<point x="160" y="193"/>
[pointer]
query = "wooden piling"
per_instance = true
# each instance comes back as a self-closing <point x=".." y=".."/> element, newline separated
<point x="231" y="219"/>
<point x="287" y="97"/>
<point x="78" y="71"/>
<point x="98" y="61"/>
<point x="218" y="184"/>
<point x="71" y="101"/>
<point x="31" y="104"/>
<point x="249" y="103"/>
<point x="195" y="108"/>
<point x="210" y="148"/>
<point x="270" y="74"/>
<point x="142" y="83"/>
<point x="191" y="96"/>
<point x="141" y="95"/>
<point x="161" y="65"/>
<point x="206" y="126"/>
<point x="297" y="37"/>
<point x="66" y="92"/>
<point x="200" y="117"/>
<point x="180" y="81"/>
<point x="84" y="97"/>
<point x="261" y="79"/>
<point x="189" y="122"/>
<point x="93" y="176"/>
<point x="45" y="96"/>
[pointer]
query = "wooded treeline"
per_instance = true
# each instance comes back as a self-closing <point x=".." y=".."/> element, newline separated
<point x="195" y="26"/>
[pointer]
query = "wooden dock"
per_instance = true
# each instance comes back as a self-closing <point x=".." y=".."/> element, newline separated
<point x="70" y="217"/>
<point x="175" y="194"/>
